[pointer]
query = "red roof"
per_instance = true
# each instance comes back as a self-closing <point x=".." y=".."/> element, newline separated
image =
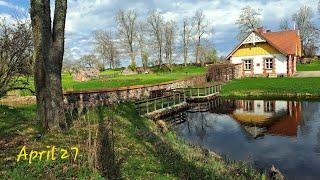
<point x="287" y="42"/>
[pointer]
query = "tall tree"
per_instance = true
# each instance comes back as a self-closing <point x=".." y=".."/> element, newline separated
<point x="155" y="20"/>
<point x="106" y="47"/>
<point x="308" y="31"/>
<point x="48" y="54"/>
<point x="284" y="24"/>
<point x="169" y="34"/>
<point x="248" y="21"/>
<point x="186" y="36"/>
<point x="201" y="28"/>
<point x="127" y="27"/>
<point x="141" y="33"/>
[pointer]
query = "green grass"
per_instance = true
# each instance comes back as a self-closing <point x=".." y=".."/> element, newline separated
<point x="116" y="79"/>
<point x="314" y="66"/>
<point x="277" y="87"/>
<point x="127" y="146"/>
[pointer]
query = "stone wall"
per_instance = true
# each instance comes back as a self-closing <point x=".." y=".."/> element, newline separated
<point x="123" y="94"/>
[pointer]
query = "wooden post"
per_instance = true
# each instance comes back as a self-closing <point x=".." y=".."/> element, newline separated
<point x="190" y="92"/>
<point x="162" y="102"/>
<point x="179" y="98"/>
<point x="219" y="87"/>
<point x="198" y="92"/>
<point x="147" y="106"/>
<point x="155" y="105"/>
<point x="174" y="99"/>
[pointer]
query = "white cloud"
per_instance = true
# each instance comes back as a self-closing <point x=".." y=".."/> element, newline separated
<point x="85" y="16"/>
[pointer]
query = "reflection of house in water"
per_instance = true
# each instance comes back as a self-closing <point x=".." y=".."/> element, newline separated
<point x="260" y="117"/>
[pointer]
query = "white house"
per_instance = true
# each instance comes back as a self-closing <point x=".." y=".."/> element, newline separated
<point x="266" y="53"/>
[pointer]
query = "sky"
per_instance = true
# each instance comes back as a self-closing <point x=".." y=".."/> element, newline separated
<point x="86" y="16"/>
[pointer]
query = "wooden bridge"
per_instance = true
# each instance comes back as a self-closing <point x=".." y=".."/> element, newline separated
<point x="176" y="100"/>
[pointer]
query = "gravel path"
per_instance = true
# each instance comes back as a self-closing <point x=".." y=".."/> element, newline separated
<point x="307" y="74"/>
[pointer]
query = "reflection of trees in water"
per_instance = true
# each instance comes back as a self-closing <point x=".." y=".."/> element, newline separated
<point x="198" y="123"/>
<point x="311" y="111"/>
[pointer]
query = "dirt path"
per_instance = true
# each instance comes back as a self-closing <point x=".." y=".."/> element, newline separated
<point x="307" y="74"/>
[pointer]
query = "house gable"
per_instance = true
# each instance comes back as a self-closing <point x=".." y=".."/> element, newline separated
<point x="253" y="38"/>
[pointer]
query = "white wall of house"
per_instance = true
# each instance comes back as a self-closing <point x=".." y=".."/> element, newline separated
<point x="259" y="109"/>
<point x="280" y="63"/>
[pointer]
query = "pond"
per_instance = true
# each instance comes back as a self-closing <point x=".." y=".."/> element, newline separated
<point x="262" y="132"/>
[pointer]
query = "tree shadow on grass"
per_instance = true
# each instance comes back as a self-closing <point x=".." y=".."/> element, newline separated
<point x="108" y="162"/>
<point x="172" y="160"/>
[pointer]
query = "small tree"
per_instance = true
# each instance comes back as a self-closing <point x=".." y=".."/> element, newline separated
<point x="16" y="50"/>
<point x="211" y="56"/>
<point x="90" y="61"/>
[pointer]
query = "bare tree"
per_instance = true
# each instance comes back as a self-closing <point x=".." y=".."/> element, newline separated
<point x="156" y="23"/>
<point x="284" y="24"/>
<point x="127" y="28"/>
<point x="169" y="41"/>
<point x="186" y="36"/>
<point x="141" y="33"/>
<point x="48" y="54"/>
<point x="248" y="21"/>
<point x="15" y="55"/>
<point x="201" y="28"/>
<point x="308" y="31"/>
<point x="106" y="47"/>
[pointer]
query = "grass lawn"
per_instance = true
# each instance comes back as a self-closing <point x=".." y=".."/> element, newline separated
<point x="113" y="142"/>
<point x="116" y="79"/>
<point x="314" y="66"/>
<point x="272" y="87"/>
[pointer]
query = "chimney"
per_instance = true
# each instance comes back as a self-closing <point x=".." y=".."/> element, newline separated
<point x="260" y="30"/>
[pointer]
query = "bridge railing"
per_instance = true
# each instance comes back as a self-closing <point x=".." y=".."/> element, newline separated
<point x="201" y="91"/>
<point x="168" y="100"/>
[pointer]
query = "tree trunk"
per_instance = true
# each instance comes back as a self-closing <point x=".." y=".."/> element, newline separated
<point x="49" y="50"/>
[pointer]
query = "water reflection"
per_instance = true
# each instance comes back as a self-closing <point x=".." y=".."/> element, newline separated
<point x="283" y="133"/>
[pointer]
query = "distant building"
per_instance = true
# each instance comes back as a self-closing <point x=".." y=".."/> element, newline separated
<point x="266" y="53"/>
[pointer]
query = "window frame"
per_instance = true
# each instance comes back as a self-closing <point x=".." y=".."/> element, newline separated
<point x="245" y="63"/>
<point x="266" y="64"/>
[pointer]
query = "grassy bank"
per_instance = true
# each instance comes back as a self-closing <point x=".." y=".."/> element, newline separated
<point x="113" y="142"/>
<point x="304" y="88"/>
<point x="314" y="66"/>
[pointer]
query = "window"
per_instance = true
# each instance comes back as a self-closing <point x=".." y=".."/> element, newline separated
<point x="269" y="63"/>
<point x="248" y="106"/>
<point x="247" y="65"/>
<point x="269" y="106"/>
